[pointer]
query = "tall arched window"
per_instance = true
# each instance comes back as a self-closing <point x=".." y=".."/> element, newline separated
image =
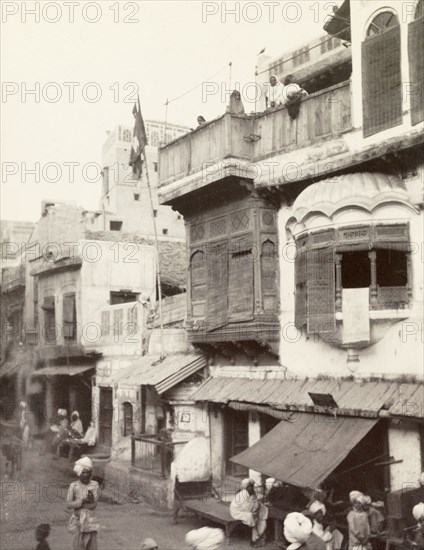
<point x="198" y="283"/>
<point x="416" y="64"/>
<point x="381" y="74"/>
<point x="269" y="275"/>
<point x="127" y="410"/>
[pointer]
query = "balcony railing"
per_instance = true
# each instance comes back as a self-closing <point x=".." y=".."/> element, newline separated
<point x="221" y="138"/>
<point x="323" y="115"/>
<point x="152" y="455"/>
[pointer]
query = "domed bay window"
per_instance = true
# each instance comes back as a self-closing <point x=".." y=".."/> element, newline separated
<point x="351" y="273"/>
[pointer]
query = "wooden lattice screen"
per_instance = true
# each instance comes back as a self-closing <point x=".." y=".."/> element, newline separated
<point x="217" y="285"/>
<point x="416" y="69"/>
<point x="321" y="310"/>
<point x="381" y="82"/>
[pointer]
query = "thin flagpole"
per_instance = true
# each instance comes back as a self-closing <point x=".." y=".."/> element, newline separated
<point x="166" y="119"/>
<point x="162" y="353"/>
<point x="230" y="65"/>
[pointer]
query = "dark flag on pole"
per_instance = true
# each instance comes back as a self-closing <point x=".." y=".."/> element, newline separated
<point x="139" y="141"/>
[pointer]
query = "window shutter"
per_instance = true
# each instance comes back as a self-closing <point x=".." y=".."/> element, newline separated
<point x="198" y="283"/>
<point x="269" y="273"/>
<point x="240" y="280"/>
<point x="381" y="82"/>
<point x="300" y="285"/>
<point x="416" y="69"/>
<point x="217" y="285"/>
<point x="69" y="316"/>
<point x="321" y="311"/>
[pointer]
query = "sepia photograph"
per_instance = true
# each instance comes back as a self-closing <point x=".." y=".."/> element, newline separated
<point x="212" y="275"/>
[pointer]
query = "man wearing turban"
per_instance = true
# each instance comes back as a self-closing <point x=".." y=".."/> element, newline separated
<point x="246" y="507"/>
<point x="205" y="538"/>
<point x="331" y="536"/>
<point x="82" y="498"/>
<point x="298" y="530"/>
<point x="358" y="524"/>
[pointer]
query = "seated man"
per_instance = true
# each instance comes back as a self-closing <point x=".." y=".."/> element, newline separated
<point x="246" y="508"/>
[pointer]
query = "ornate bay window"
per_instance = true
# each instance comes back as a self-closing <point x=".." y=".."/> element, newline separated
<point x="353" y="255"/>
<point x="233" y="291"/>
<point x="366" y="256"/>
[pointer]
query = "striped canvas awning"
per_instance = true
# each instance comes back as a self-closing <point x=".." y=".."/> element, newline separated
<point x="162" y="375"/>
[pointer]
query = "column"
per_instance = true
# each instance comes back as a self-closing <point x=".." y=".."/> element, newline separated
<point x="373" y="289"/>
<point x="338" y="258"/>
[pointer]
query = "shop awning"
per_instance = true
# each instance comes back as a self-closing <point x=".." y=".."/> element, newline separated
<point x="305" y="450"/>
<point x="162" y="375"/>
<point x="367" y="398"/>
<point x="70" y="370"/>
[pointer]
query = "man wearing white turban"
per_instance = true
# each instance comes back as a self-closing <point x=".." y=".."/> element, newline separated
<point x="358" y="524"/>
<point x="205" y="538"/>
<point x="331" y="536"/>
<point x="297" y="530"/>
<point x="246" y="508"/>
<point x="274" y="92"/>
<point x="82" y="500"/>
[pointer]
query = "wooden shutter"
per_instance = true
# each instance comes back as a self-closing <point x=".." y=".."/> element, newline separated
<point x="269" y="276"/>
<point x="321" y="311"/>
<point x="217" y="285"/>
<point x="240" y="280"/>
<point x="416" y="68"/>
<point x="69" y="317"/>
<point x="300" y="286"/>
<point x="198" y="283"/>
<point x="381" y="82"/>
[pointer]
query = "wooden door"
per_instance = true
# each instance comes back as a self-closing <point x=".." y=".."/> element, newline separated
<point x="105" y="416"/>
<point x="236" y="440"/>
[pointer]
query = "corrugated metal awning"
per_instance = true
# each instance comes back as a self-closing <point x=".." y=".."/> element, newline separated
<point x="64" y="370"/>
<point x="305" y="451"/>
<point x="365" y="398"/>
<point x="162" y="375"/>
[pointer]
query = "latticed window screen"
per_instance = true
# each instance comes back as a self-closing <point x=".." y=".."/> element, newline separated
<point x="269" y="275"/>
<point x="416" y="68"/>
<point x="381" y="81"/>
<point x="321" y="309"/>
<point x="217" y="285"/>
<point x="198" y="283"/>
<point x="240" y="280"/>
<point x="300" y="283"/>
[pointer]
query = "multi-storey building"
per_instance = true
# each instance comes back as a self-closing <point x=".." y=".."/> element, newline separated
<point x="124" y="200"/>
<point x="305" y="286"/>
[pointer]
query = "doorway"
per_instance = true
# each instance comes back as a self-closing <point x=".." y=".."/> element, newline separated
<point x="236" y="435"/>
<point x="105" y="416"/>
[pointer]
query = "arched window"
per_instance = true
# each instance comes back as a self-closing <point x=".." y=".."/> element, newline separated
<point x="269" y="275"/>
<point x="198" y="283"/>
<point x="381" y="74"/>
<point x="416" y="64"/>
<point x="127" y="410"/>
<point x="382" y="22"/>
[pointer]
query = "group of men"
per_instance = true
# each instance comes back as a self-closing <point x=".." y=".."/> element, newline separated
<point x="309" y="529"/>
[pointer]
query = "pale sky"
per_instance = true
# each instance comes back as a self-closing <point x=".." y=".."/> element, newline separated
<point x="171" y="47"/>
